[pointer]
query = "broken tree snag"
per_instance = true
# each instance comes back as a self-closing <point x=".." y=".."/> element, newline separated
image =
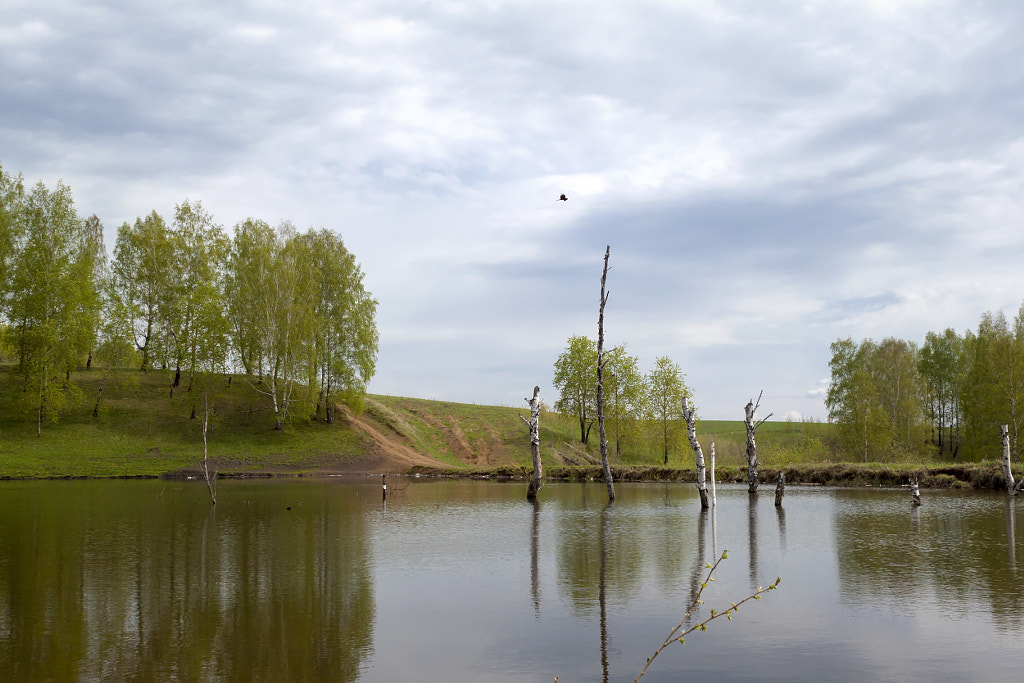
<point x="689" y="414"/>
<point x="780" y="488"/>
<point x="600" y="379"/>
<point x="752" y="426"/>
<point x="915" y="491"/>
<point x="534" y="422"/>
<point x="1007" y="472"/>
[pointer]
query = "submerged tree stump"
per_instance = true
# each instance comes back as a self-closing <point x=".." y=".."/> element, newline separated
<point x="534" y="422"/>
<point x="780" y="489"/>
<point x="915" y="491"/>
<point x="749" y="410"/>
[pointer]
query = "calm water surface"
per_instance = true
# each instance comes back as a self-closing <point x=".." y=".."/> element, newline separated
<point x="467" y="581"/>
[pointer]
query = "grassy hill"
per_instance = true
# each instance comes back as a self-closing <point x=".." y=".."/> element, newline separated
<point x="126" y="423"/>
<point x="129" y="423"/>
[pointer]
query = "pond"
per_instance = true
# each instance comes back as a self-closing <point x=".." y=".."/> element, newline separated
<point x="467" y="581"/>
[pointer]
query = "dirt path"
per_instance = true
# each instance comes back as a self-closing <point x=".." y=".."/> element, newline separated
<point x="384" y="455"/>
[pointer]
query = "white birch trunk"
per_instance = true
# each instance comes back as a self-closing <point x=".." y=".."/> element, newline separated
<point x="915" y="491"/>
<point x="206" y="469"/>
<point x="752" y="426"/>
<point x="780" y="489"/>
<point x="1007" y="471"/>
<point x="534" y="423"/>
<point x="691" y="433"/>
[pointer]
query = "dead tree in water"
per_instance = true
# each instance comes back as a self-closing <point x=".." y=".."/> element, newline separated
<point x="206" y="469"/>
<point x="534" y="423"/>
<point x="600" y="379"/>
<point x="752" y="426"/>
<point x="1011" y="488"/>
<point x="780" y="488"/>
<point x="689" y="414"/>
<point x="915" y="491"/>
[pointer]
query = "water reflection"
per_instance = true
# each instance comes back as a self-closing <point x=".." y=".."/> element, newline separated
<point x="951" y="552"/>
<point x="752" y="539"/>
<point x="1011" y="533"/>
<point x="535" y="555"/>
<point x="111" y="581"/>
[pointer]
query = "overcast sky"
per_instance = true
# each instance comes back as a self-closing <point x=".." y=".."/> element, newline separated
<point x="770" y="176"/>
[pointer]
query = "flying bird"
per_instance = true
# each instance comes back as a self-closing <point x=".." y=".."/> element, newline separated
<point x="563" y="198"/>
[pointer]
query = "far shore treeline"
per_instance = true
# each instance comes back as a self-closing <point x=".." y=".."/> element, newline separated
<point x="946" y="398"/>
<point x="287" y="308"/>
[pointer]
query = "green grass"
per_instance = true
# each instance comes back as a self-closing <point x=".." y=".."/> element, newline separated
<point x="144" y="430"/>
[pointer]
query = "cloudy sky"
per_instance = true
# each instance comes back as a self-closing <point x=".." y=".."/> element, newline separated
<point x="770" y="176"/>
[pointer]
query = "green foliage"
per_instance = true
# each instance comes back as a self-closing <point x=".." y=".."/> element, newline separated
<point x="576" y="382"/>
<point x="679" y="633"/>
<point x="665" y="392"/>
<point x="52" y="302"/>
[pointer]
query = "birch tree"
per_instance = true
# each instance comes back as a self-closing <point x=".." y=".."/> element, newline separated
<point x="576" y="381"/>
<point x="141" y="279"/>
<point x="345" y="337"/>
<point x="195" y="311"/>
<point x="53" y="300"/>
<point x="940" y="364"/>
<point x="625" y="395"/>
<point x="666" y="390"/>
<point x="995" y="384"/>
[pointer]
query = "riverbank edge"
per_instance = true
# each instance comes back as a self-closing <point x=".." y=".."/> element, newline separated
<point x="957" y="476"/>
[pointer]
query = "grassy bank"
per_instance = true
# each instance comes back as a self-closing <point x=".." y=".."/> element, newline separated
<point x="969" y="475"/>
<point x="125" y="423"/>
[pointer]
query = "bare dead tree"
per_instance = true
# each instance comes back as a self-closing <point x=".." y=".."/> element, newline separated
<point x="600" y="379"/>
<point x="780" y="488"/>
<point x="534" y="423"/>
<point x="206" y="469"/>
<point x="915" y="491"/>
<point x="689" y="414"/>
<point x="752" y="426"/>
<point x="1011" y="488"/>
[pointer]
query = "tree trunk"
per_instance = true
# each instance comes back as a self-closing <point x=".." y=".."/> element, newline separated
<point x="915" y="491"/>
<point x="600" y="380"/>
<point x="206" y="470"/>
<point x="780" y="489"/>
<point x="1011" y="488"/>
<point x="752" y="426"/>
<point x="535" y="482"/>
<point x="689" y="414"/>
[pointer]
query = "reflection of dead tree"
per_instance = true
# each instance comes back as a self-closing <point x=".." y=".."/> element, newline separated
<point x="689" y="414"/>
<point x="534" y="424"/>
<point x="535" y="557"/>
<point x="600" y="379"/>
<point x="602" y="585"/>
<point x="699" y="562"/>
<point x="752" y="426"/>
<point x="206" y="469"/>
<point x="1011" y="532"/>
